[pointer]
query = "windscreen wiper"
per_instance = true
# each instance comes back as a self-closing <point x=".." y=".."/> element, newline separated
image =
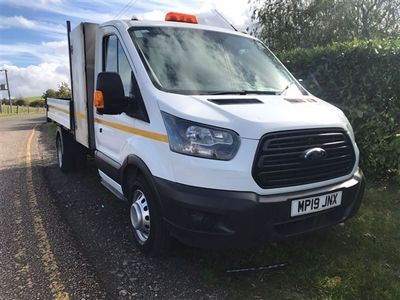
<point x="243" y="92"/>
<point x="286" y="88"/>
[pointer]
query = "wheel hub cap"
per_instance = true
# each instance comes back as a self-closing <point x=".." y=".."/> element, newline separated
<point x="140" y="216"/>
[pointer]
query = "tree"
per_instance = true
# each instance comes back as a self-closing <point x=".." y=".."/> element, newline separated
<point x="19" y="102"/>
<point x="50" y="93"/>
<point x="288" y="24"/>
<point x="37" y="103"/>
<point x="64" y="91"/>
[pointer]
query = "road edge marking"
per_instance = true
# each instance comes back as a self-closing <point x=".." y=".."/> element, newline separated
<point x="22" y="264"/>
<point x="48" y="258"/>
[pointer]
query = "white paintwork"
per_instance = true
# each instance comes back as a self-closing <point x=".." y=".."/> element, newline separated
<point x="79" y="85"/>
<point x="81" y="65"/>
<point x="250" y="121"/>
<point x="59" y="111"/>
<point x="254" y="120"/>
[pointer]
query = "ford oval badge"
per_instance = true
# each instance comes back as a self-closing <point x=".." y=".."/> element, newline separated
<point x="314" y="154"/>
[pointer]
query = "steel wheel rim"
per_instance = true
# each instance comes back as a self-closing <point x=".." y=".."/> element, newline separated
<point x="59" y="152"/>
<point x="140" y="216"/>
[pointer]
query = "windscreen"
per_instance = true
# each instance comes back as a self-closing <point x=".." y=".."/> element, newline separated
<point x="193" y="61"/>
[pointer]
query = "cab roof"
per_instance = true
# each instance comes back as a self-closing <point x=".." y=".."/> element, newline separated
<point x="126" y="24"/>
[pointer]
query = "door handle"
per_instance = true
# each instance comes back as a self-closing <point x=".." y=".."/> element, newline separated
<point x="101" y="130"/>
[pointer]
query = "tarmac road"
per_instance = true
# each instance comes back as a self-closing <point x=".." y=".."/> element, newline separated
<point x="64" y="236"/>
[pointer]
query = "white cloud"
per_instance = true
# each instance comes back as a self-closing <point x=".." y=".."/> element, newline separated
<point x="155" y="15"/>
<point x="55" y="30"/>
<point x="16" y="21"/>
<point x="35" y="79"/>
<point x="51" y="52"/>
<point x="65" y="8"/>
<point x="237" y="12"/>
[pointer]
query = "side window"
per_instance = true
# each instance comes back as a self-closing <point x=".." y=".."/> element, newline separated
<point x="110" y="63"/>
<point x="125" y="71"/>
<point x="115" y="60"/>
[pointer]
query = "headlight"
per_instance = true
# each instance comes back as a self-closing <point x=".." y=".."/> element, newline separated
<point x="201" y="140"/>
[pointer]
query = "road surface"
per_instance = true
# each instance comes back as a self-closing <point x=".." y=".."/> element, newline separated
<point x="64" y="236"/>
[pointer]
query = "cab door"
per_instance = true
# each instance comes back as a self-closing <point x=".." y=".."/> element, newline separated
<point x="112" y="131"/>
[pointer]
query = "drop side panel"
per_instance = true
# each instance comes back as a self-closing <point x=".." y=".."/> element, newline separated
<point x="82" y="55"/>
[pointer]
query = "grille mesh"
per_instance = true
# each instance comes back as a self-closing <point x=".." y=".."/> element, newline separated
<point x="280" y="162"/>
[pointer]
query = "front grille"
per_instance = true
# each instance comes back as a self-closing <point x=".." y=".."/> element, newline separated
<point x="279" y="161"/>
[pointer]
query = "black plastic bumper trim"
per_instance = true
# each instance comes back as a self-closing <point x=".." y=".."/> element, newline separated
<point x="207" y="218"/>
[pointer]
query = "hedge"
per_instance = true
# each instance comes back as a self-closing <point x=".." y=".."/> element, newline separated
<point x="363" y="79"/>
<point x="20" y="102"/>
<point x="37" y="103"/>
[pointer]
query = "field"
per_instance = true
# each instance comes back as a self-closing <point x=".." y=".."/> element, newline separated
<point x="19" y="110"/>
<point x="32" y="98"/>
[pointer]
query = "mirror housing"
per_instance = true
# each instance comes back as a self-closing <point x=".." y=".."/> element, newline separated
<point x="109" y="97"/>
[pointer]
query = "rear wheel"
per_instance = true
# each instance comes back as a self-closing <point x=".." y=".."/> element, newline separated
<point x="64" y="152"/>
<point x="149" y="230"/>
<point x="59" y="152"/>
<point x="70" y="155"/>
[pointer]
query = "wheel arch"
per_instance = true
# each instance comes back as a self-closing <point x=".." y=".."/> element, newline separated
<point x="63" y="133"/>
<point x="59" y="133"/>
<point x="135" y="166"/>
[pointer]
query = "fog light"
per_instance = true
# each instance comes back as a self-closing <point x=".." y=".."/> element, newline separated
<point x="203" y="221"/>
<point x="197" y="217"/>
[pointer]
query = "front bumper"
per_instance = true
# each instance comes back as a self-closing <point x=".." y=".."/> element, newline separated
<point x="207" y="218"/>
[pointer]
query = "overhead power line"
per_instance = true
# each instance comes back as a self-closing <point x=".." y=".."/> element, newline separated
<point x="122" y="9"/>
<point x="125" y="8"/>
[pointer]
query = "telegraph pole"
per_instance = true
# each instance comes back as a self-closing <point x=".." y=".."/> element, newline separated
<point x="8" y="89"/>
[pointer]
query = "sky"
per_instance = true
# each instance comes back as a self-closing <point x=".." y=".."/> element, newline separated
<point x="33" y="40"/>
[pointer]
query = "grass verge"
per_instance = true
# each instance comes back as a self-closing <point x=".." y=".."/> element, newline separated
<point x="356" y="260"/>
<point x="52" y="131"/>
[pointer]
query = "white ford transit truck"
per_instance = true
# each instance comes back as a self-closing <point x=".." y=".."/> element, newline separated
<point x="204" y="133"/>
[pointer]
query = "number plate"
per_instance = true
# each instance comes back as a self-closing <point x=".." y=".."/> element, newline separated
<point x="315" y="203"/>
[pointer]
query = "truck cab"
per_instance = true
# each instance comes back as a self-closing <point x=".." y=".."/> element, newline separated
<point x="205" y="134"/>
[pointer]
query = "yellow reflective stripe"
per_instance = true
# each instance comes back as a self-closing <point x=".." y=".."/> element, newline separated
<point x="58" y="109"/>
<point x="148" y="134"/>
<point x="79" y="115"/>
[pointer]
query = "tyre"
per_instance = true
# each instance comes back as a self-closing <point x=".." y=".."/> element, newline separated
<point x="65" y="151"/>
<point x="149" y="229"/>
<point x="80" y="156"/>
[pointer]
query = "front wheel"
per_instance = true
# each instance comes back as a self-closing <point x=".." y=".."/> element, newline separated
<point x="149" y="230"/>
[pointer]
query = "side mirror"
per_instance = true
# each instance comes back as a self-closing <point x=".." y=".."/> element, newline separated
<point x="109" y="97"/>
